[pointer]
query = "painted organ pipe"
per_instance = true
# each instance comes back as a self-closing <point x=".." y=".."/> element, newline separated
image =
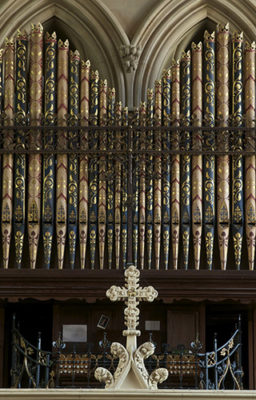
<point x="124" y="199"/>
<point x="83" y="170"/>
<point x="110" y="185"/>
<point x="142" y="199"/>
<point x="35" y="160"/>
<point x="186" y="159"/>
<point x="102" y="177"/>
<point x="197" y="161"/>
<point x="48" y="205"/>
<point x="250" y="160"/>
<point x="78" y="160"/>
<point x="7" y="194"/>
<point x="118" y="115"/>
<point x="237" y="160"/>
<point x="175" y="165"/>
<point x="62" y="159"/>
<point x="166" y="106"/>
<point x="73" y="90"/>
<point x="136" y="189"/>
<point x="93" y="169"/>
<point x="20" y="159"/>
<point x="209" y="160"/>
<point x="157" y="173"/>
<point x="223" y="190"/>
<point x="150" y="188"/>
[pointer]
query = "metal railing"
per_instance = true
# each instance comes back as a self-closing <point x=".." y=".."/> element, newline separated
<point x="188" y="368"/>
<point x="31" y="366"/>
<point x="42" y="137"/>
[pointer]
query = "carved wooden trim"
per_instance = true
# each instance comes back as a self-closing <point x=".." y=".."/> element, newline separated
<point x="92" y="285"/>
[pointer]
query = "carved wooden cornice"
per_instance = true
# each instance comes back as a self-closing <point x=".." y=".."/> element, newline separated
<point x="239" y="286"/>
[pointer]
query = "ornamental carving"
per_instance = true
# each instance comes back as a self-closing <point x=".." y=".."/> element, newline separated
<point x="130" y="55"/>
<point x="131" y="358"/>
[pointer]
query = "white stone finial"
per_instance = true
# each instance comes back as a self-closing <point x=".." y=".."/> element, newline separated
<point x="131" y="372"/>
<point x="132" y="294"/>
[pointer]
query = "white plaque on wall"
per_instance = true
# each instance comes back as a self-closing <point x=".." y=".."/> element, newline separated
<point x="74" y="333"/>
<point x="152" y="325"/>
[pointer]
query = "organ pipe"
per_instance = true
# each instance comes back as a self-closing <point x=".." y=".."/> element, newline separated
<point x="87" y="184"/>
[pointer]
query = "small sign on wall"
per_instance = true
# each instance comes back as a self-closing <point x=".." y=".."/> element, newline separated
<point x="74" y="333"/>
<point x="103" y="322"/>
<point x="152" y="325"/>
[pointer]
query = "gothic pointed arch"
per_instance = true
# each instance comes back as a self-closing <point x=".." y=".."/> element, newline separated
<point x="93" y="31"/>
<point x="173" y="24"/>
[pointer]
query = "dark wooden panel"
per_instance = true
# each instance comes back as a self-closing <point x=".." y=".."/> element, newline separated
<point x="89" y="314"/>
<point x="92" y="285"/>
<point x="153" y="312"/>
<point x="251" y="349"/>
<point x="183" y="326"/>
<point x="2" y="346"/>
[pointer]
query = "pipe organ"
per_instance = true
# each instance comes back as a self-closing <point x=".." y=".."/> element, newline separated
<point x="85" y="184"/>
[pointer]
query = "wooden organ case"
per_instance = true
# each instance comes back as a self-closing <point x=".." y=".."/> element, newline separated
<point x="87" y="187"/>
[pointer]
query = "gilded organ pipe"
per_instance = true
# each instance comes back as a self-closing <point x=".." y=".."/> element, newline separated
<point x="197" y="161"/>
<point x="142" y="197"/>
<point x="48" y="204"/>
<point x="62" y="159"/>
<point x="166" y="178"/>
<point x="110" y="171"/>
<point x="175" y="165"/>
<point x="128" y="186"/>
<point x="73" y="97"/>
<point x="209" y="160"/>
<point x="118" y="115"/>
<point x="185" y="197"/>
<point x="102" y="174"/>
<point x="150" y="186"/>
<point x="20" y="172"/>
<point x="7" y="183"/>
<point x="83" y="168"/>
<point x="223" y="173"/>
<point x="93" y="169"/>
<point x="157" y="173"/>
<point x="124" y="198"/>
<point x="35" y="160"/>
<point x="250" y="176"/>
<point x="237" y="160"/>
<point x="136" y="190"/>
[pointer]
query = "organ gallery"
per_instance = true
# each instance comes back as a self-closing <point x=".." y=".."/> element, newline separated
<point x="91" y="185"/>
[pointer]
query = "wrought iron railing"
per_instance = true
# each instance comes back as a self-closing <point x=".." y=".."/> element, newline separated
<point x="222" y="367"/>
<point x="188" y="368"/>
<point x="130" y="192"/>
<point x="42" y="137"/>
<point x="31" y="366"/>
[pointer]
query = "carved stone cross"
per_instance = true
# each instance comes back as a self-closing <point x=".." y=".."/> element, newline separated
<point x="131" y="372"/>
<point x="132" y="294"/>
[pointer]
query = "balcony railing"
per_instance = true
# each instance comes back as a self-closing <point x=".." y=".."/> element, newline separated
<point x="218" y="369"/>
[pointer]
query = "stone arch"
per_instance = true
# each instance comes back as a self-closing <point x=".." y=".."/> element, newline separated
<point x="94" y="31"/>
<point x="171" y="26"/>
